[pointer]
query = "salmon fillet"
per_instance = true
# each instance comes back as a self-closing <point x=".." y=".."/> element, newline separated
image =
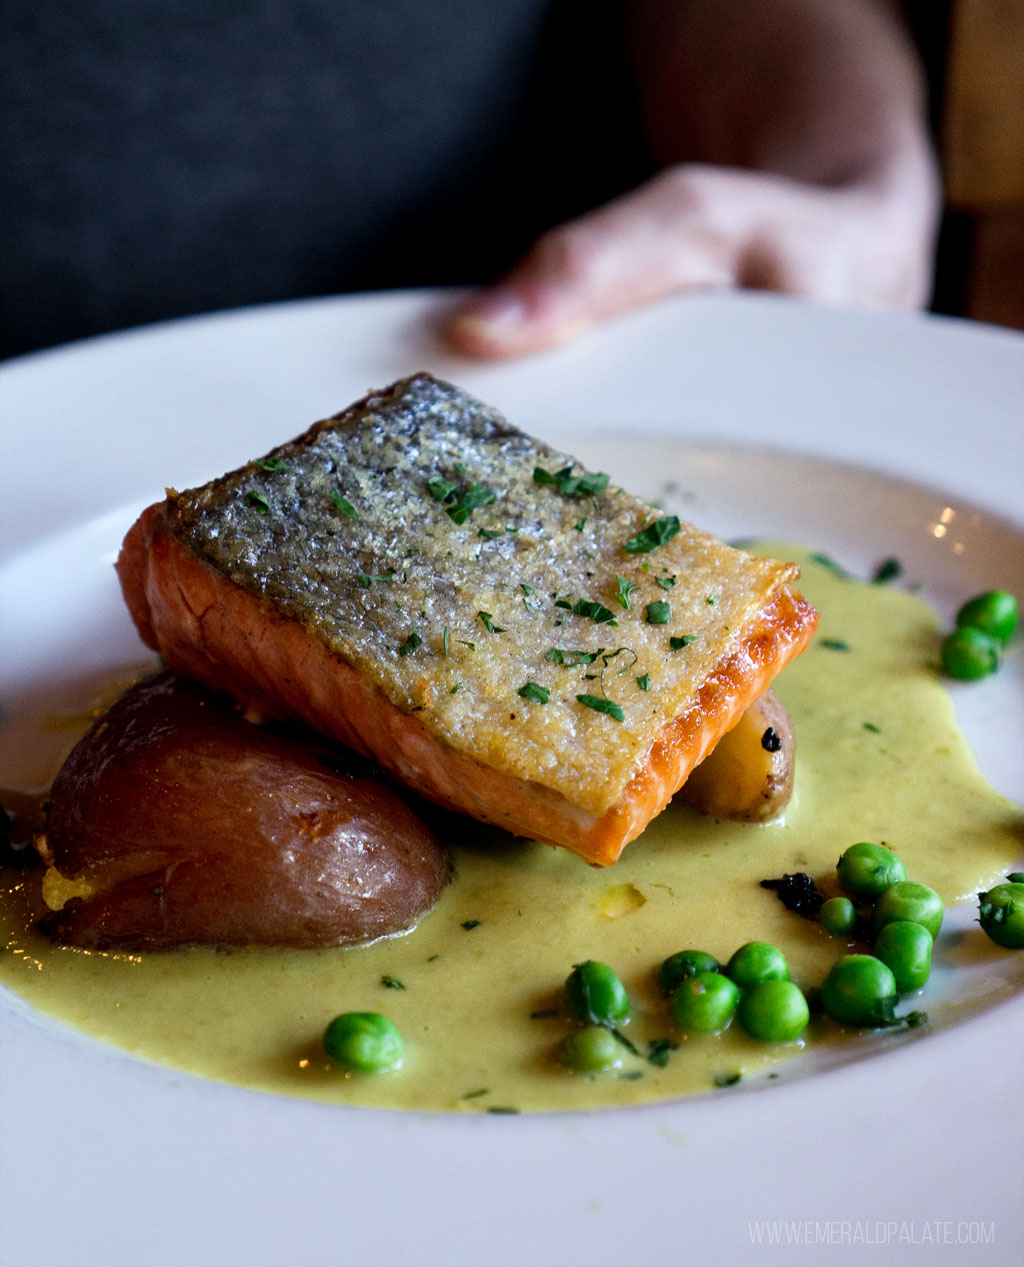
<point x="514" y="637"/>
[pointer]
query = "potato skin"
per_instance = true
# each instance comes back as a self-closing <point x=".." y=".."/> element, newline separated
<point x="197" y="827"/>
<point x="747" y="776"/>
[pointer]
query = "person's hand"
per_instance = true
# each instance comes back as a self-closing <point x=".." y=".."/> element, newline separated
<point x="814" y="174"/>
<point x="698" y="227"/>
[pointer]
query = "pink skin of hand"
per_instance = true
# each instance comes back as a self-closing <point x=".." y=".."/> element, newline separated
<point x="800" y="163"/>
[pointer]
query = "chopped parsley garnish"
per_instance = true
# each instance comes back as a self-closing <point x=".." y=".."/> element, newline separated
<point x="459" y="506"/>
<point x="599" y="705"/>
<point x="826" y="561"/>
<point x="887" y="570"/>
<point x="597" y="612"/>
<point x="489" y="534"/>
<point x="571" y="659"/>
<point x="344" y="506"/>
<point x="659" y="1050"/>
<point x="488" y="623"/>
<point x="411" y="643"/>
<point x="531" y="690"/>
<point x="366" y="580"/>
<point x="623" y="591"/>
<point x="473" y="1095"/>
<point x="258" y="500"/>
<point x="580" y="524"/>
<point x="391" y="983"/>
<point x="272" y="464"/>
<point x="444" y="642"/>
<point x="654" y="535"/>
<point x="469" y="924"/>
<point x="835" y="644"/>
<point x="463" y="643"/>
<point x="665" y="582"/>
<point x="644" y="682"/>
<point x="726" y="1079"/>
<point x="456" y="688"/>
<point x="870" y="725"/>
<point x="658" y="613"/>
<point x="528" y="590"/>
<point x="683" y="640"/>
<point x="504" y="1110"/>
<point x="572" y="485"/>
<point x="711" y="600"/>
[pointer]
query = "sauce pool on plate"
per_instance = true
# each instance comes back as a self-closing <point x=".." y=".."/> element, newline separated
<point x="475" y="988"/>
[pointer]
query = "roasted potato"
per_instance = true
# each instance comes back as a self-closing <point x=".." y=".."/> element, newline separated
<point x="174" y="821"/>
<point x="749" y="774"/>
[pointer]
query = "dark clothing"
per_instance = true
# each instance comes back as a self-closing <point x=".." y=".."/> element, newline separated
<point x="166" y="157"/>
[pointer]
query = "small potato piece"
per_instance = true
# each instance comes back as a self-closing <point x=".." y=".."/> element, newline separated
<point x="174" y="821"/>
<point x="749" y="774"/>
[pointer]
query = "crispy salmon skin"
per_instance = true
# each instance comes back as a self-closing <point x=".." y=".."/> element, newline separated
<point x="515" y="637"/>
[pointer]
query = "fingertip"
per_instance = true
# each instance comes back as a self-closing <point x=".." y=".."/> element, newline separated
<point x="491" y="324"/>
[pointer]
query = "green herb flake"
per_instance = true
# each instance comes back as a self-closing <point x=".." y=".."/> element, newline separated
<point x="597" y="612"/>
<point x="623" y="591"/>
<point x="620" y="1037"/>
<point x="475" y="1095"/>
<point x="835" y="644"/>
<point x="826" y="561"/>
<point x="599" y="705"/>
<point x="272" y="464"/>
<point x="344" y="506"/>
<point x="580" y="524"/>
<point x="456" y="688"/>
<point x="870" y="725"/>
<point x="391" y="983"/>
<point x="365" y="579"/>
<point x="654" y="535"/>
<point x="487" y="620"/>
<point x="463" y="643"/>
<point x="411" y="643"/>
<point x="528" y="590"/>
<point x="711" y="600"/>
<point x="571" y="659"/>
<point x="444" y="642"/>
<point x="504" y="1110"/>
<point x="258" y="500"/>
<point x="458" y="506"/>
<point x="684" y="640"/>
<point x="887" y="571"/>
<point x="665" y="582"/>
<point x="658" y="613"/>
<point x="570" y="485"/>
<point x="531" y="690"/>
<point x="659" y="1050"/>
<point x="489" y="534"/>
<point x="727" y="1079"/>
<point x="644" y="682"/>
<point x="469" y="924"/>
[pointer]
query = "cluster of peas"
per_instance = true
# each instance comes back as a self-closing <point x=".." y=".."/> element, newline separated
<point x="901" y="916"/>
<point x="860" y="991"/>
<point x="984" y="625"/>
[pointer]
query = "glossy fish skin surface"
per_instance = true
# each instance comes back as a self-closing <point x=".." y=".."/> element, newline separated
<point x="401" y="572"/>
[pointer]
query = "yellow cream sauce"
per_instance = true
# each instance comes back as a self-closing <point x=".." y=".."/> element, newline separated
<point x="879" y="757"/>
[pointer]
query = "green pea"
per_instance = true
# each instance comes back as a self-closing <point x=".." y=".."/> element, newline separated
<point x="968" y="654"/>
<point x="906" y="950"/>
<point x="994" y="613"/>
<point x="593" y="993"/>
<point x="364" y="1041"/>
<point x="1001" y="913"/>
<point x="838" y="916"/>
<point x="911" y="901"/>
<point x="704" y="1003"/>
<point x="685" y="963"/>
<point x="859" y="991"/>
<point x="756" y="962"/>
<point x="775" y="1012"/>
<point x="590" y="1050"/>
<point x="866" y="870"/>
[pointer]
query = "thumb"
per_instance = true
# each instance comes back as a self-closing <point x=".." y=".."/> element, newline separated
<point x="646" y="244"/>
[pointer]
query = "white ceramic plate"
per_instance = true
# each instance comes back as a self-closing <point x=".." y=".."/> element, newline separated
<point x="865" y="435"/>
